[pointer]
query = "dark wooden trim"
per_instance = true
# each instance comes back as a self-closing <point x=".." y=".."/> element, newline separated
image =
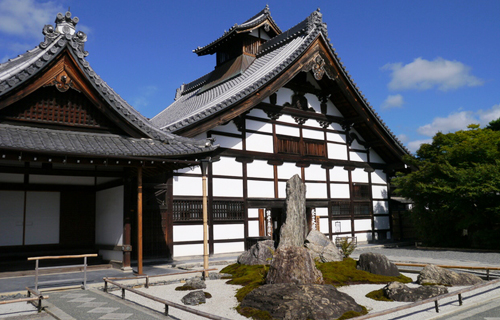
<point x="60" y="172"/>
<point x="210" y="196"/>
<point x="214" y="241"/>
<point x="259" y="133"/>
<point x="225" y="134"/>
<point x="245" y="181"/>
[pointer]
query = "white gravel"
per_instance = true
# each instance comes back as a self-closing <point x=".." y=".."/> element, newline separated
<point x="16" y="309"/>
<point x="223" y="302"/>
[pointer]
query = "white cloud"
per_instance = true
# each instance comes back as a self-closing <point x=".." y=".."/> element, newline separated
<point x="393" y="101"/>
<point x="142" y="100"/>
<point x="460" y="120"/>
<point x="26" y="18"/>
<point x="423" y="74"/>
<point x="413" y="146"/>
<point x="403" y="138"/>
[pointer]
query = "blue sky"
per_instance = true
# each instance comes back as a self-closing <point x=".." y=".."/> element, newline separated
<point x="425" y="66"/>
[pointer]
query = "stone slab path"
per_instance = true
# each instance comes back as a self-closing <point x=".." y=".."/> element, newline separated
<point x="94" y="304"/>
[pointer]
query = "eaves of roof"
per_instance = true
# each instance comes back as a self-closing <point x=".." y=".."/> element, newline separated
<point x="16" y="72"/>
<point x="254" y="21"/>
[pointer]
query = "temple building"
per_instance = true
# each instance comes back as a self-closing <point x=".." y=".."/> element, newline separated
<point x="75" y="158"/>
<point x="279" y="103"/>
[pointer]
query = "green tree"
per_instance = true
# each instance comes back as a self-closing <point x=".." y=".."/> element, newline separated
<point x="456" y="188"/>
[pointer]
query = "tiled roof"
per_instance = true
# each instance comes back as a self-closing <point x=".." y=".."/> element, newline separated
<point x="18" y="71"/>
<point x="250" y="23"/>
<point x="274" y="57"/>
<point x="32" y="139"/>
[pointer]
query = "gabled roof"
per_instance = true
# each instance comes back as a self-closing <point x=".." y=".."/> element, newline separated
<point x="16" y="73"/>
<point x="278" y="54"/>
<point x="250" y="24"/>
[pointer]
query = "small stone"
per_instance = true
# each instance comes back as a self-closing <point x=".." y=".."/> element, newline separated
<point x="260" y="253"/>
<point x="194" y="298"/>
<point x="377" y="263"/>
<point x="433" y="274"/>
<point x="399" y="292"/>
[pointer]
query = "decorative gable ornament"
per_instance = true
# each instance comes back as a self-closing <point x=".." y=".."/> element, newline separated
<point x="65" y="26"/>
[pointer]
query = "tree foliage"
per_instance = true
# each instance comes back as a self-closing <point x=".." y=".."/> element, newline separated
<point x="456" y="188"/>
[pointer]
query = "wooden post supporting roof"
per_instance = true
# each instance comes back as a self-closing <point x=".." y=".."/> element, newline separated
<point x="139" y="220"/>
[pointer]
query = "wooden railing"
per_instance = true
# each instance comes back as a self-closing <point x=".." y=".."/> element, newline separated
<point x="167" y="303"/>
<point x="37" y="297"/>
<point x="433" y="299"/>
<point x="84" y="265"/>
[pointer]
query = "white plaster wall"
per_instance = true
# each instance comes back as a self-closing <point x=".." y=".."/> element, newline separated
<point x="42" y="217"/>
<point x="362" y="224"/>
<point x="345" y="226"/>
<point x="228" y="167"/>
<point x="359" y="175"/>
<point x="259" y="126"/>
<point x="315" y="172"/>
<point x="332" y="110"/>
<point x="253" y="212"/>
<point x="260" y="189"/>
<point x="11" y="218"/>
<point x="259" y="143"/>
<point x="382" y="222"/>
<point x="193" y="170"/>
<point x="287" y="118"/>
<point x="288" y="170"/>
<point x="313" y="134"/>
<point x="378" y="176"/>
<point x="187" y="186"/>
<point x="109" y="216"/>
<point x="260" y="169"/>
<point x="229" y="247"/>
<point x="337" y="151"/>
<point x="287" y="131"/>
<point x="283" y="95"/>
<point x="227" y="187"/>
<point x="316" y="190"/>
<point x="339" y="191"/>
<point x="229" y="231"/>
<point x="323" y="224"/>
<point x="336" y="137"/>
<point x="253" y="228"/>
<point x="356" y="145"/>
<point x="374" y="157"/>
<point x="185" y="250"/>
<point x="228" y="142"/>
<point x="258" y="113"/>
<point x="379" y="192"/>
<point x="188" y="233"/>
<point x="229" y="127"/>
<point x="380" y="207"/>
<point x="339" y="174"/>
<point x="323" y="212"/>
<point x="11" y="178"/>
<point x="281" y="189"/>
<point x="313" y="102"/>
<point x="364" y="236"/>
<point x="358" y="156"/>
<point x="83" y="181"/>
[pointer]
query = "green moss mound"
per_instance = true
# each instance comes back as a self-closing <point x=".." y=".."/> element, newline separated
<point x="207" y="295"/>
<point x="184" y="288"/>
<point x="353" y="314"/>
<point x="341" y="273"/>
<point x="250" y="277"/>
<point x="254" y="313"/>
<point x="378" y="295"/>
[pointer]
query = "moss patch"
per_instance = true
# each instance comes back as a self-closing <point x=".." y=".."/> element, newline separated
<point x="207" y="295"/>
<point x="184" y="288"/>
<point x="378" y="295"/>
<point x="341" y="273"/>
<point x="352" y="314"/>
<point x="250" y="277"/>
<point x="254" y="313"/>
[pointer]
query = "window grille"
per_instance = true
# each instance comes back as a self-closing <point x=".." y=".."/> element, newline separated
<point x="361" y="191"/>
<point x="362" y="208"/>
<point x="341" y="208"/>
<point x="192" y="210"/>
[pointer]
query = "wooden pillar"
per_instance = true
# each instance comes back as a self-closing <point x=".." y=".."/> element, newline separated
<point x="204" y="165"/>
<point x="139" y="220"/>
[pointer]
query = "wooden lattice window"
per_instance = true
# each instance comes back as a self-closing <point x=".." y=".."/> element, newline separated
<point x="361" y="191"/>
<point x="192" y="210"/>
<point x="362" y="208"/>
<point x="314" y="148"/>
<point x="341" y="208"/>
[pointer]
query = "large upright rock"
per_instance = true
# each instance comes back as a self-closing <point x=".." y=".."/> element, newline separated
<point x="294" y="227"/>
<point x="321" y="248"/>
<point x="260" y="253"/>
<point x="432" y="274"/>
<point x="377" y="263"/>
<point x="293" y="265"/>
